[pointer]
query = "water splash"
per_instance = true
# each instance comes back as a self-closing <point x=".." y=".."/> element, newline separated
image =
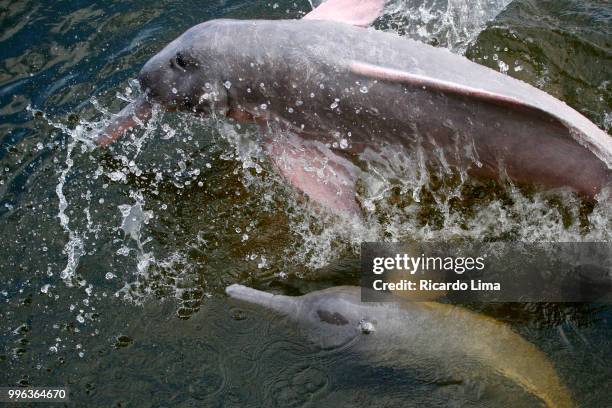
<point x="410" y="195"/>
<point x="453" y="24"/>
<point x="402" y="196"/>
<point x="75" y="245"/>
<point x="134" y="217"/>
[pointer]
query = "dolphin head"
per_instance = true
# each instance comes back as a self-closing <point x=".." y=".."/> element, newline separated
<point x="330" y="318"/>
<point x="185" y="75"/>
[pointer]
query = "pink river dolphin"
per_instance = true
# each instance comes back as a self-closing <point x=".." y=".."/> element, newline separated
<point x="340" y="88"/>
<point x="426" y="336"/>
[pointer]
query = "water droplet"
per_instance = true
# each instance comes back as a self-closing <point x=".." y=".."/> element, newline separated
<point x="263" y="263"/>
<point x="363" y="89"/>
<point x="299" y="103"/>
<point x="174" y="90"/>
<point x="227" y="84"/>
<point x="117" y="176"/>
<point x="263" y="106"/>
<point x="343" y="144"/>
<point x="290" y="110"/>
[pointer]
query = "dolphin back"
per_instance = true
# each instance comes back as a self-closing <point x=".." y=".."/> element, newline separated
<point x="495" y="345"/>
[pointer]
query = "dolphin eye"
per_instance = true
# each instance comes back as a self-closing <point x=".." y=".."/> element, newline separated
<point x="180" y="60"/>
<point x="183" y="61"/>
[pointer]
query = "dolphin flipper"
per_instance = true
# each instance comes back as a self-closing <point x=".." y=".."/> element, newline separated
<point x="314" y="169"/>
<point x="361" y="13"/>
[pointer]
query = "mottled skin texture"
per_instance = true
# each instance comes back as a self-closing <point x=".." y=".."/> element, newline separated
<point x="301" y="74"/>
<point x="416" y="334"/>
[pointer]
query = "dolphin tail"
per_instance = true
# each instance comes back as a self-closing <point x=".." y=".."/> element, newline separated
<point x="283" y="304"/>
<point x="361" y="13"/>
<point x="132" y="115"/>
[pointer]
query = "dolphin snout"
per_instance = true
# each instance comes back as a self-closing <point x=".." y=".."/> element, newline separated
<point x="234" y="290"/>
<point x="129" y="117"/>
<point x="280" y="303"/>
<point x="249" y="295"/>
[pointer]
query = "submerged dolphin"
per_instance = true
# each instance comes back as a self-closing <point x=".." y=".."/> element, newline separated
<point x="341" y="90"/>
<point x="416" y="334"/>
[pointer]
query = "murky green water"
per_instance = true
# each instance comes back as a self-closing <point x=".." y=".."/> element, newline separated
<point x="114" y="263"/>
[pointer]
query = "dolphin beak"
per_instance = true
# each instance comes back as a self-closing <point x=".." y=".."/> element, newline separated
<point x="133" y="114"/>
<point x="282" y="304"/>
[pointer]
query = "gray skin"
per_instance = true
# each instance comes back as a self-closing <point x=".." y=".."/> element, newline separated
<point x="310" y="75"/>
<point x="422" y="335"/>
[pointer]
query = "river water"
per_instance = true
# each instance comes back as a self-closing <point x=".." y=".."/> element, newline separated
<point x="114" y="263"/>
